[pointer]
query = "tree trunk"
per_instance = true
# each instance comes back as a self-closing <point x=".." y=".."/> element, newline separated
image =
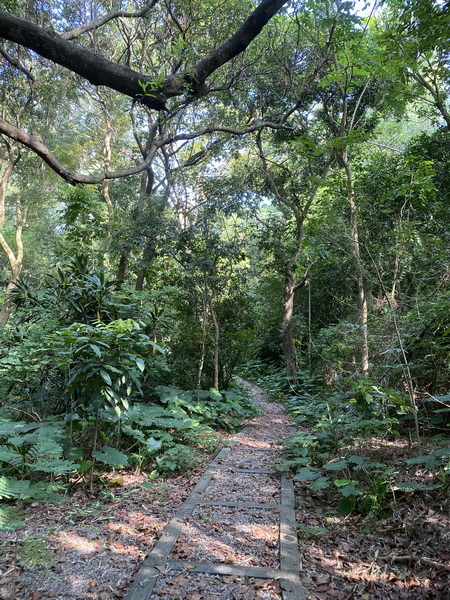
<point x="363" y="311"/>
<point x="201" y="362"/>
<point x="5" y="311"/>
<point x="292" y="205"/>
<point x="122" y="268"/>
<point x="15" y="260"/>
<point x="287" y="336"/>
<point x="216" y="345"/>
<point x="147" y="257"/>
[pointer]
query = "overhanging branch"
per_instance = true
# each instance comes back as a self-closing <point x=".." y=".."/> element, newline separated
<point x="37" y="145"/>
<point x="100" y="71"/>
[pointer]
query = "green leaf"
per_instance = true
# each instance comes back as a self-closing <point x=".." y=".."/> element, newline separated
<point x="322" y="483"/>
<point x="157" y="347"/>
<point x="11" y="518"/>
<point x="10" y="456"/>
<point x="55" y="466"/>
<point x="153" y="444"/>
<point x="406" y="486"/>
<point x="84" y="466"/>
<point x="14" y="427"/>
<point x="10" y="487"/>
<point x="429" y="460"/>
<point x="96" y="349"/>
<point x="148" y="485"/>
<point x="442" y="452"/>
<point x="111" y="457"/>
<point x="350" y="490"/>
<point x="74" y="453"/>
<point x="140" y="363"/>
<point x="336" y="466"/>
<point x="346" y="505"/>
<point x="105" y="376"/>
<point x="307" y="474"/>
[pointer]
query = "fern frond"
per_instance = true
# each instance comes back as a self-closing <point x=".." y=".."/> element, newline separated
<point x="10" y="487"/>
<point x="46" y="492"/>
<point x="55" y="466"/>
<point x="11" y="457"/>
<point x="11" y="518"/>
<point x="8" y="428"/>
<point x="45" y="448"/>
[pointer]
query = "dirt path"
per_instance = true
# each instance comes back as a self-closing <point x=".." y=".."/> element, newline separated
<point x="234" y="537"/>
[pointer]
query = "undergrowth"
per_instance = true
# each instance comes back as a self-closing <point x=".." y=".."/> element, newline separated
<point x="337" y="426"/>
<point x="42" y="459"/>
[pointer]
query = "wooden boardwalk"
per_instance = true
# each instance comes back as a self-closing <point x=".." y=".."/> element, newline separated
<point x="159" y="562"/>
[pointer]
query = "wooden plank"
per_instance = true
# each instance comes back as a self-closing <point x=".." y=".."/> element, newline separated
<point x="143" y="584"/>
<point x="169" y="536"/>
<point x="287" y="492"/>
<point x="226" y="569"/>
<point x="291" y="588"/>
<point x="289" y="554"/>
<point x="222" y="454"/>
<point x="268" y="506"/>
<point x="256" y="471"/>
<point x="237" y="447"/>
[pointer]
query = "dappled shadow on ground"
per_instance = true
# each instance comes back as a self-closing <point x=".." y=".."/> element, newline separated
<point x="90" y="546"/>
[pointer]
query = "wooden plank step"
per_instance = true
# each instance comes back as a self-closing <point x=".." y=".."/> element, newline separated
<point x="256" y="471"/>
<point x="261" y="435"/>
<point x="268" y="506"/>
<point x="237" y="447"/>
<point x="225" y="569"/>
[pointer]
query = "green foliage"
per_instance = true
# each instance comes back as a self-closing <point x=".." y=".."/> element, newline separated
<point x="177" y="458"/>
<point x="166" y="433"/>
<point x="343" y="419"/>
<point x="77" y="291"/>
<point x="37" y="459"/>
<point x="106" y="364"/>
<point x="34" y="552"/>
<point x="11" y="518"/>
<point x="440" y="459"/>
<point x="85" y="217"/>
<point x="35" y="452"/>
<point x="111" y="457"/>
<point x="428" y="341"/>
<point x="28" y="373"/>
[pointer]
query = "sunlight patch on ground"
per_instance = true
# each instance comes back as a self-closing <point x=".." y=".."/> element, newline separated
<point x="77" y="543"/>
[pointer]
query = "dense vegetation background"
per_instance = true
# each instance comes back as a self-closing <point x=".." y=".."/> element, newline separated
<point x="288" y="210"/>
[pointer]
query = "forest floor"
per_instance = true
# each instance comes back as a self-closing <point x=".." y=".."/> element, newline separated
<point x="91" y="546"/>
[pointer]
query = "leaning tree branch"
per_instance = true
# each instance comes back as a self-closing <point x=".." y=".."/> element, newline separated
<point x="37" y="145"/>
<point x="109" y="16"/>
<point x="257" y="126"/>
<point x="16" y="63"/>
<point x="100" y="71"/>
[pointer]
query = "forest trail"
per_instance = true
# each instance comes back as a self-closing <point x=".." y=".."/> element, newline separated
<point x="234" y="537"/>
